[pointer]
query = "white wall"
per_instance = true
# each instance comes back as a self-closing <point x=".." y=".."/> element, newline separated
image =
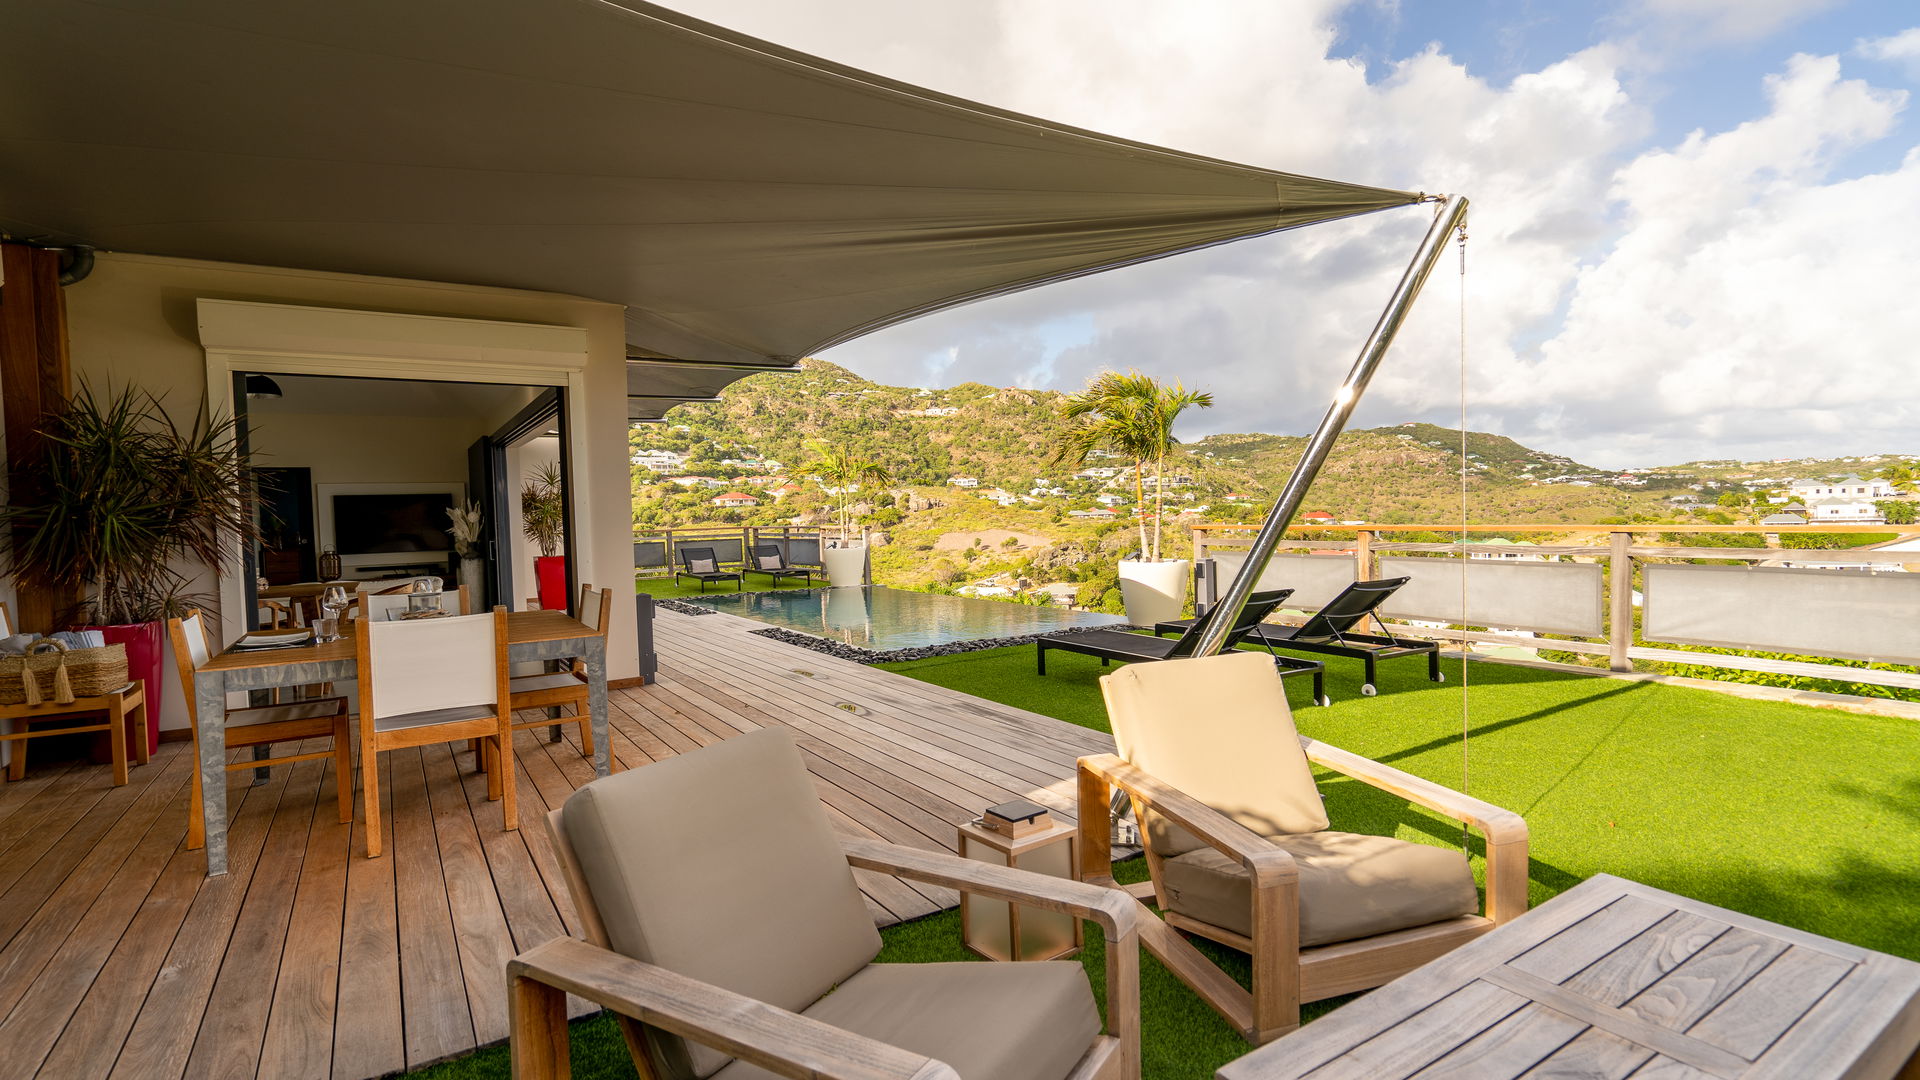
<point x="134" y="320"/>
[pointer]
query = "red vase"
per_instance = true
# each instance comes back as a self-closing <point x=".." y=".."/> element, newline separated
<point x="551" y="573"/>
<point x="146" y="651"/>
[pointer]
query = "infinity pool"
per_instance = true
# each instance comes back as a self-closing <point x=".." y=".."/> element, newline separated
<point x="880" y="618"/>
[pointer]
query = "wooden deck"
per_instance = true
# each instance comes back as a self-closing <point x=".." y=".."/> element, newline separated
<point x="119" y="958"/>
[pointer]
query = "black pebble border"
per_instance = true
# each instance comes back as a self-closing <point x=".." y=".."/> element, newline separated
<point x="842" y="651"/>
<point x="682" y="608"/>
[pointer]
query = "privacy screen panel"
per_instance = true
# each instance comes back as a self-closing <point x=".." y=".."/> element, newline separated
<point x="649" y="554"/>
<point x="1850" y="614"/>
<point x="1546" y="597"/>
<point x="1314" y="579"/>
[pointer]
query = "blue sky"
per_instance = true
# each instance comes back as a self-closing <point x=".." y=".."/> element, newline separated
<point x="1693" y="226"/>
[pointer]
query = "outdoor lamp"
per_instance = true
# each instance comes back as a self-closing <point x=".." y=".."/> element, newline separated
<point x="1020" y="834"/>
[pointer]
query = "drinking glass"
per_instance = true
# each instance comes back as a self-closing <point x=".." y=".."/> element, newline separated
<point x="332" y="602"/>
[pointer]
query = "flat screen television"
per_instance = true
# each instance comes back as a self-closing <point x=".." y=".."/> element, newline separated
<point x="392" y="524"/>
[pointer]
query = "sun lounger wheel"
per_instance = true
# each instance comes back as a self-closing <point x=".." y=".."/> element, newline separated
<point x="1324" y="700"/>
<point x="1367" y="689"/>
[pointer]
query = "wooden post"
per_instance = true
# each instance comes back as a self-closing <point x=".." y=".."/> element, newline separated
<point x="1620" y="581"/>
<point x="34" y="382"/>
<point x="1363" y="556"/>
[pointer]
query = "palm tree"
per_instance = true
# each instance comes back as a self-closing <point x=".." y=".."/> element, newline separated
<point x="1132" y="415"/>
<point x="842" y="472"/>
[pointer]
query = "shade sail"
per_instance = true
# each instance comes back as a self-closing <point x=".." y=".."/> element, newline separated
<point x="749" y="204"/>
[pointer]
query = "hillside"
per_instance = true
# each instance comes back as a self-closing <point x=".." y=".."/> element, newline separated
<point x="977" y="496"/>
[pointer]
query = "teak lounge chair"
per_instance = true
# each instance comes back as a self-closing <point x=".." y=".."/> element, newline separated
<point x="720" y="909"/>
<point x="1239" y="850"/>
<point x="768" y="560"/>
<point x="703" y="566"/>
<point x="1110" y="645"/>
<point x="1331" y="632"/>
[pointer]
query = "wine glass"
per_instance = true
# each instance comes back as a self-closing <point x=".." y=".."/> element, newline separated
<point x="332" y="602"/>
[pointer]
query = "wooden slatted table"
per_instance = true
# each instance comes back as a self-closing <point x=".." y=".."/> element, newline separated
<point x="1616" y="979"/>
<point x="531" y="635"/>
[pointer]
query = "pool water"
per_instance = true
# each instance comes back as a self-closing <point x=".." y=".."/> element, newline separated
<point x="879" y="618"/>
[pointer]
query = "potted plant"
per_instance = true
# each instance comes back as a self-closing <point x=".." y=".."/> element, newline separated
<point x="543" y="520"/>
<point x="842" y="474"/>
<point x="121" y="498"/>
<point x="1133" y="415"/>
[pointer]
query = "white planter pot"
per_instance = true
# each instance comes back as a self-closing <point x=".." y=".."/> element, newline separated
<point x="845" y="565"/>
<point x="1153" y="591"/>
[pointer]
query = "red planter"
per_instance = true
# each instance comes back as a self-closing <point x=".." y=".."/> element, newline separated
<point x="146" y="651"/>
<point x="551" y="572"/>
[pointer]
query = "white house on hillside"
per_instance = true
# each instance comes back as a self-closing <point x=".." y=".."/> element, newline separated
<point x="1852" y="509"/>
<point x="1847" y="487"/>
<point x="659" y="460"/>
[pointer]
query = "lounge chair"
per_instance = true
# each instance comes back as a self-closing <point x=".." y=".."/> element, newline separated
<point x="1331" y="632"/>
<point x="723" y="922"/>
<point x="701" y="564"/>
<point x="1110" y="645"/>
<point x="1239" y="851"/>
<point x="768" y="560"/>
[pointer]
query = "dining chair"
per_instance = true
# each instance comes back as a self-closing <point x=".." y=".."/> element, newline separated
<point x="382" y="605"/>
<point x="557" y="689"/>
<point x="289" y="722"/>
<point x="425" y="681"/>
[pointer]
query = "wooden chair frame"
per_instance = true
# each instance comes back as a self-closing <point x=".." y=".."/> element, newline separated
<point x="1284" y="974"/>
<point x="644" y="996"/>
<point x="338" y="726"/>
<point x="495" y="732"/>
<point x="576" y="696"/>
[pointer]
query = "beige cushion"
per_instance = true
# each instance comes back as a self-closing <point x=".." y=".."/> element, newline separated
<point x="1351" y="886"/>
<point x="720" y="864"/>
<point x="1217" y="728"/>
<point x="1030" y="1021"/>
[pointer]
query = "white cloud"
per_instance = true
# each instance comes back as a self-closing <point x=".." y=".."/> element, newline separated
<point x="1737" y="20"/>
<point x="1902" y="48"/>
<point x="1723" y="295"/>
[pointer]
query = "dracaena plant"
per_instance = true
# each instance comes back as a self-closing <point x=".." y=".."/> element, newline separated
<point x="543" y="510"/>
<point x="119" y="498"/>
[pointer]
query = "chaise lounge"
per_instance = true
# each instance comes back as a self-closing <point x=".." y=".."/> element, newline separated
<point x="701" y="564"/>
<point x="1111" y="645"/>
<point x="768" y="560"/>
<point x="1331" y="632"/>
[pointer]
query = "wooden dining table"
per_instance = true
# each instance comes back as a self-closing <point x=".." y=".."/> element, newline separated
<point x="531" y="636"/>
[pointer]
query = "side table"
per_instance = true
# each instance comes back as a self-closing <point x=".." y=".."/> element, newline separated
<point x="998" y="930"/>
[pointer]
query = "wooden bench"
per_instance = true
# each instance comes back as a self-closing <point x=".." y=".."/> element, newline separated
<point x="128" y="701"/>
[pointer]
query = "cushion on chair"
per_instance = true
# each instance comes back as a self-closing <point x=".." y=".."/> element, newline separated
<point x="1351" y="886"/>
<point x="769" y="562"/>
<point x="553" y="680"/>
<point x="310" y="709"/>
<point x="702" y="566"/>
<point x="1217" y="728"/>
<point x="1028" y="1021"/>
<point x="426" y="717"/>
<point x="720" y="864"/>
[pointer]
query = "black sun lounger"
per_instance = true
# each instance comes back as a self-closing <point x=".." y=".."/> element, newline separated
<point x="768" y="560"/>
<point x="699" y="563"/>
<point x="1110" y="645"/>
<point x="1331" y="632"/>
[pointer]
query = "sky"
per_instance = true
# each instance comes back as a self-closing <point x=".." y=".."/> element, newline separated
<point x="1695" y="224"/>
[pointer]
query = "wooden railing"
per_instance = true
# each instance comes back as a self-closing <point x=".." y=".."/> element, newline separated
<point x="1619" y="550"/>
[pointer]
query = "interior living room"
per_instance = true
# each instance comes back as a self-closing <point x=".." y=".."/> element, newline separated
<point x="359" y="478"/>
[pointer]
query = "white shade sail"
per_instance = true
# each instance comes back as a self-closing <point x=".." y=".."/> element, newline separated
<point x="749" y="204"/>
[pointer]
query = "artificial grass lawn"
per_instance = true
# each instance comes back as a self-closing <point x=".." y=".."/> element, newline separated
<point x="1808" y="817"/>
<point x="665" y="588"/>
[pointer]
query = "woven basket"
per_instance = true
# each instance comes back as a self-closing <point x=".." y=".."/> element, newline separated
<point x="51" y="673"/>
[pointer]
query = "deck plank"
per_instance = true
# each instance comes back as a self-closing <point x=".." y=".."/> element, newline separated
<point x="299" y="1038"/>
<point x="368" y="1036"/>
<point x="432" y="993"/>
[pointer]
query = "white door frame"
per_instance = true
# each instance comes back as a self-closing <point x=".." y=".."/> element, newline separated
<point x="295" y="340"/>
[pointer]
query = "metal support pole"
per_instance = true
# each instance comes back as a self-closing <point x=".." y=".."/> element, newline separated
<point x="1213" y="633"/>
